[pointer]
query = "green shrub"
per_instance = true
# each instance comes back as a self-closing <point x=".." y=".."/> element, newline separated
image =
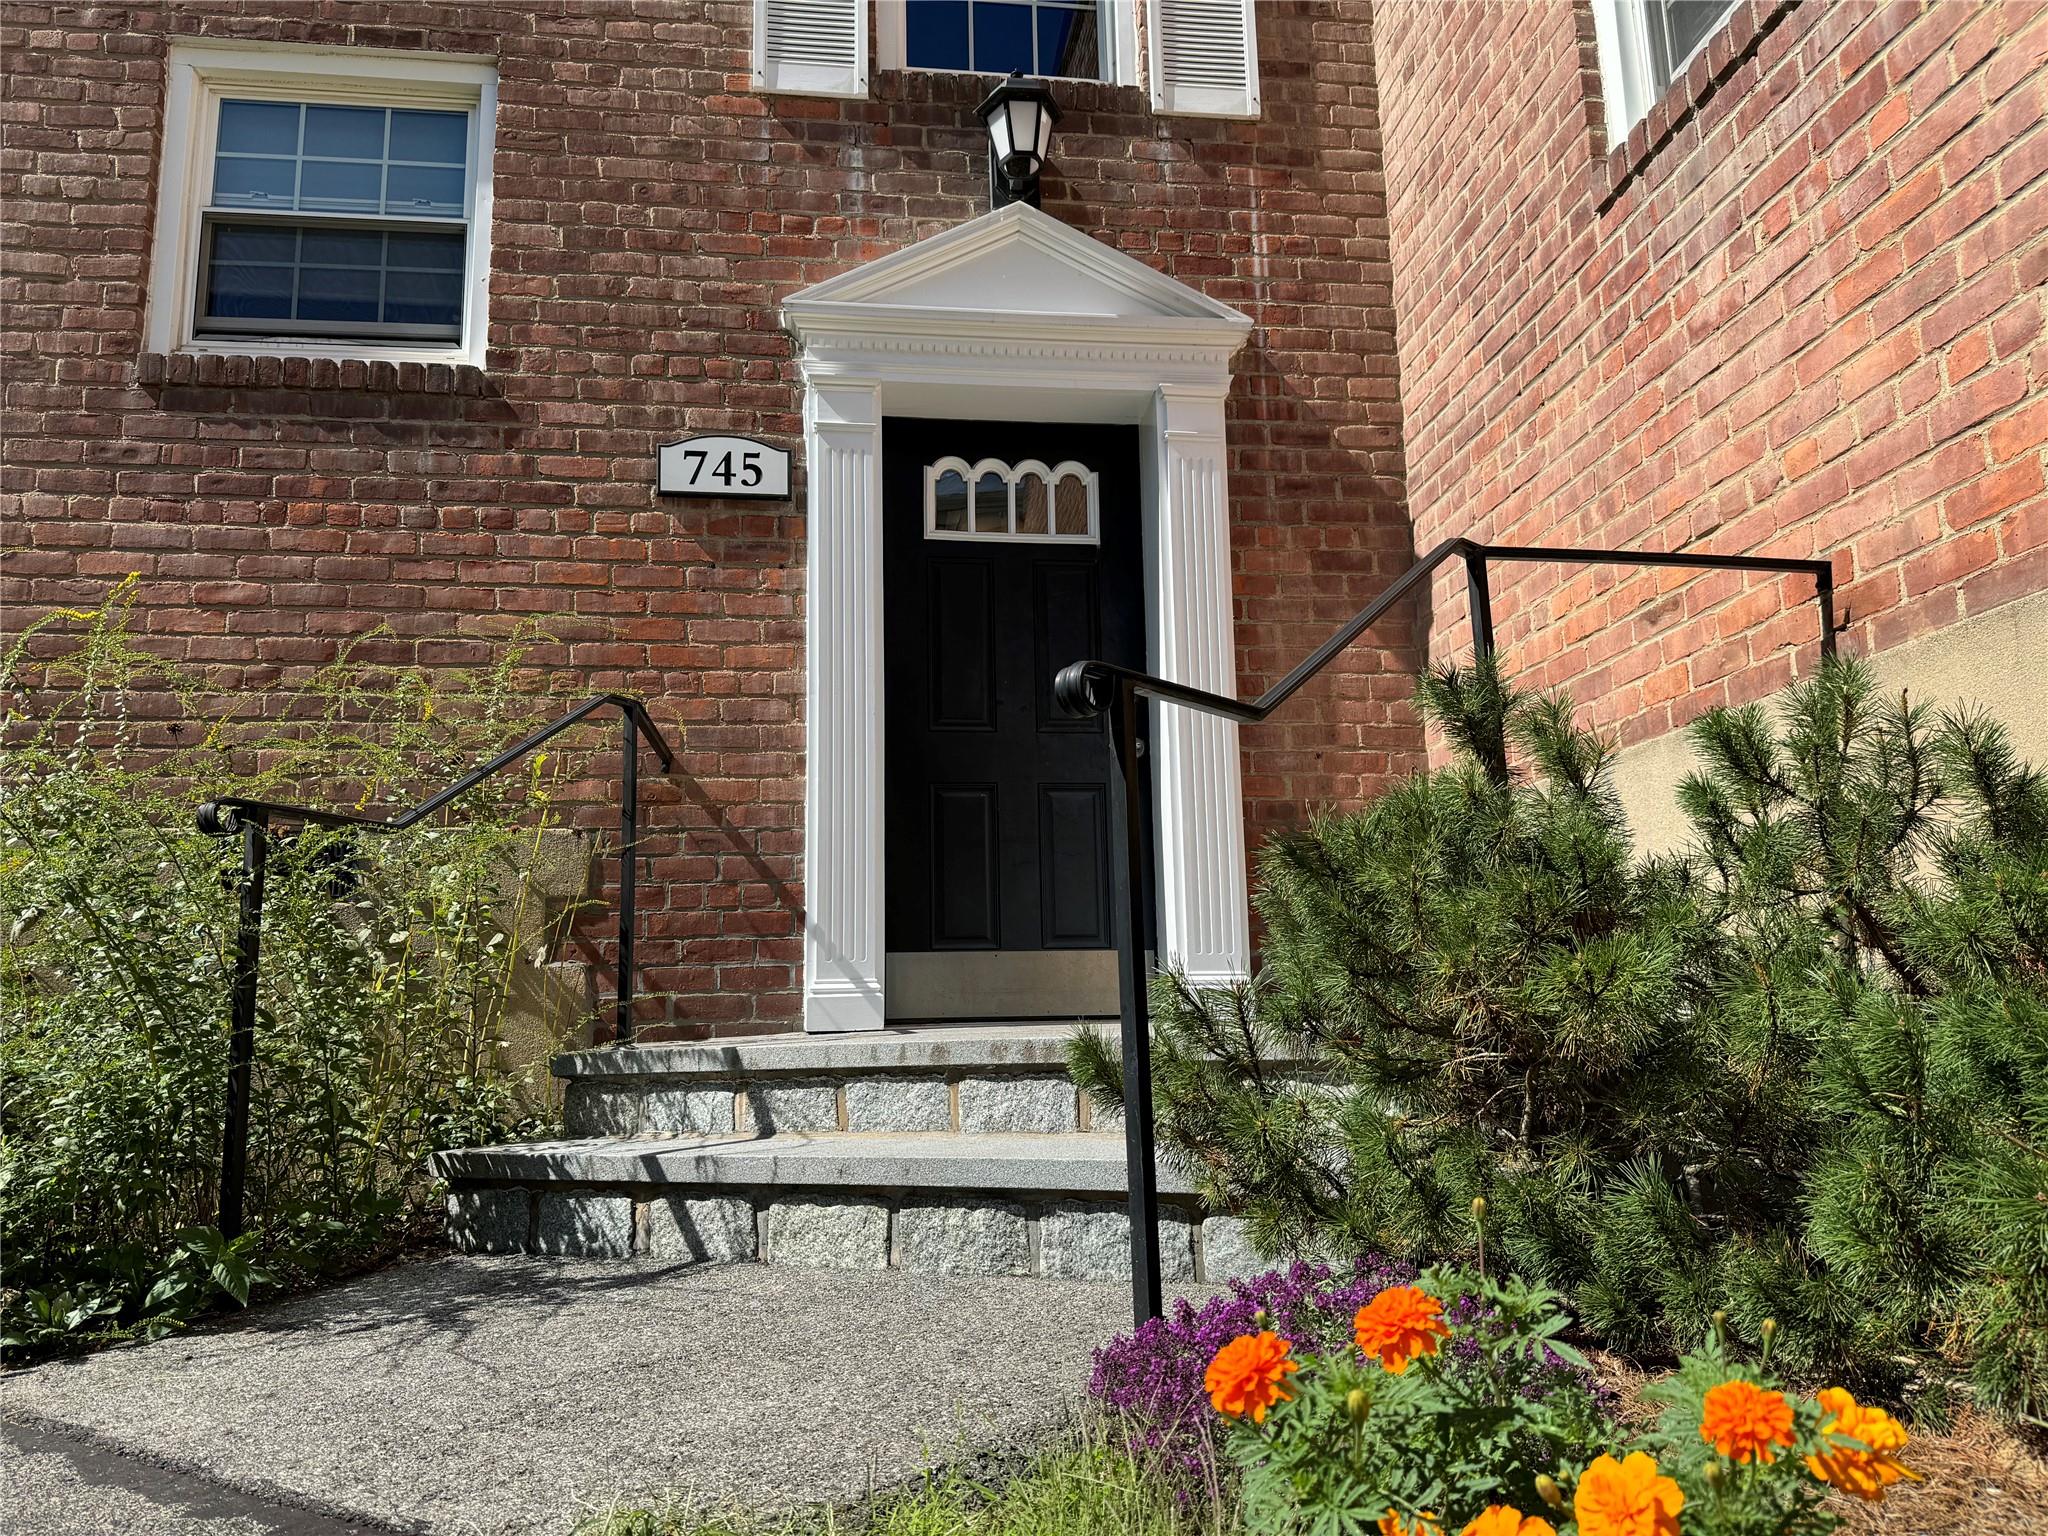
<point x="1801" y="1071"/>
<point x="387" y="966"/>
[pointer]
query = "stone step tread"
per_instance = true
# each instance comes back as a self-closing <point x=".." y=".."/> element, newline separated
<point x="909" y="1048"/>
<point x="1074" y="1163"/>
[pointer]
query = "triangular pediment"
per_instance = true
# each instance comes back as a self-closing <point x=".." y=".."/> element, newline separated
<point x="1017" y="263"/>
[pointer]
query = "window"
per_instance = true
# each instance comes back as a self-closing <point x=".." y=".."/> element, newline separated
<point x="1644" y="46"/>
<point x="1056" y="39"/>
<point x="331" y="204"/>
<point x="991" y="500"/>
<point x="335" y="221"/>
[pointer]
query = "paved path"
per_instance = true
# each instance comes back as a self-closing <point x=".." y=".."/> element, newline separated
<point x="469" y="1395"/>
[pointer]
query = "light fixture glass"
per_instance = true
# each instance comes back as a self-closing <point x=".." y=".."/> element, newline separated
<point x="1019" y="116"/>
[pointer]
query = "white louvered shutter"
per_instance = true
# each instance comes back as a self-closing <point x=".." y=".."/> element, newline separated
<point x="811" y="47"/>
<point x="1204" y="57"/>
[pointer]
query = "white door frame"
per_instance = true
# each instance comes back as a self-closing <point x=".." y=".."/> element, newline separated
<point x="1014" y="316"/>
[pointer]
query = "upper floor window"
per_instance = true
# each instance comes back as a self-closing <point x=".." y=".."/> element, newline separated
<point x="1056" y="38"/>
<point x="1200" y="57"/>
<point x="1644" y="46"/>
<point x="333" y="204"/>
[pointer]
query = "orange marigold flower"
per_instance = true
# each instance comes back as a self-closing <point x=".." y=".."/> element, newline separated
<point x="1391" y="1524"/>
<point x="1864" y="1470"/>
<point x="1506" y="1520"/>
<point x="1249" y="1375"/>
<point x="1627" y="1498"/>
<point x="1400" y="1324"/>
<point x="1744" y="1421"/>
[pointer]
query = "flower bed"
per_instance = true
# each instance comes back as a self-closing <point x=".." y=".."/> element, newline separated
<point x="1454" y="1408"/>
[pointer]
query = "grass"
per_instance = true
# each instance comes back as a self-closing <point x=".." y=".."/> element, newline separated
<point x="1083" y="1485"/>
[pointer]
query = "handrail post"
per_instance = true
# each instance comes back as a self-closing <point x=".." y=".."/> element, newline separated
<point x="1479" y="599"/>
<point x="629" y="833"/>
<point x="234" y="1154"/>
<point x="1128" y="856"/>
<point x="1824" y="594"/>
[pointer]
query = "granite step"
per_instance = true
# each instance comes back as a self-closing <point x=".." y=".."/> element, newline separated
<point x="949" y="1202"/>
<point x="995" y="1079"/>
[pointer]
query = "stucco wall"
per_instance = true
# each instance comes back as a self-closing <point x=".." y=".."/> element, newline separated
<point x="1995" y="661"/>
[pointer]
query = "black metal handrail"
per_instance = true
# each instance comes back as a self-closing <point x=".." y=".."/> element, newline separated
<point x="1087" y="688"/>
<point x="233" y="814"/>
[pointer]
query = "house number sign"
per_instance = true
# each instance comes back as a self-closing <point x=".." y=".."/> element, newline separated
<point x="724" y="467"/>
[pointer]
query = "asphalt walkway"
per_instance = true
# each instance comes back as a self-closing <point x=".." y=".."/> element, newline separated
<point x="471" y="1395"/>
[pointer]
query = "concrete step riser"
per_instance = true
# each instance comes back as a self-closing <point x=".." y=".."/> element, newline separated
<point x="985" y="1104"/>
<point x="914" y="1231"/>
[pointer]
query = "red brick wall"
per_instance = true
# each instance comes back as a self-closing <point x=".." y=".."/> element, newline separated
<point x="651" y="214"/>
<point x="1799" y="313"/>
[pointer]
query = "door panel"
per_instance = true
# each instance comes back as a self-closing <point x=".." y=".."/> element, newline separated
<point x="963" y="645"/>
<point x="1066" y="625"/>
<point x="997" y="802"/>
<point x="1073" y="841"/>
<point x="966" y="899"/>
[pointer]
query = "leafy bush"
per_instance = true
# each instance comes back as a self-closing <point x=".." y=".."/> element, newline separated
<point x="385" y="977"/>
<point x="1800" y="1071"/>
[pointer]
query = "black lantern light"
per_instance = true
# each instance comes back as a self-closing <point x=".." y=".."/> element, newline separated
<point x="1019" y="115"/>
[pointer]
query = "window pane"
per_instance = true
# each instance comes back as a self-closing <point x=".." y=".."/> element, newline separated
<point x="317" y="277"/>
<point x="1002" y="38"/>
<point x="1065" y="45"/>
<point x="340" y="186"/>
<point x="337" y="293"/>
<point x="991" y="504"/>
<point x="949" y="499"/>
<point x="236" y="290"/>
<point x="258" y="128"/>
<point x="420" y="189"/>
<point x="935" y="34"/>
<point x="342" y="248"/>
<point x="1686" y="24"/>
<point x="1070" y="506"/>
<point x="1032" y="506"/>
<point x="255" y="242"/>
<point x="253" y="183"/>
<point x="440" y="253"/>
<point x="423" y="298"/>
<point x="346" y="133"/>
<point x="441" y="138"/>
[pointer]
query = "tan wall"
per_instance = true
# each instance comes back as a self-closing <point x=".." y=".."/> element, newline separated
<point x="1998" y="660"/>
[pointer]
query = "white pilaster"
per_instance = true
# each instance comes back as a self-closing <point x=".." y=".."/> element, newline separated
<point x="843" y="849"/>
<point x="1204" y="923"/>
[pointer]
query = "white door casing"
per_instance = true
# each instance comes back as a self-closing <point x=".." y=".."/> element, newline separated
<point x="1014" y="315"/>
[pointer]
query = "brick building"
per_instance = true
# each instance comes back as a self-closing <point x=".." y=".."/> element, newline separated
<point x="320" y="317"/>
<point x="1784" y="298"/>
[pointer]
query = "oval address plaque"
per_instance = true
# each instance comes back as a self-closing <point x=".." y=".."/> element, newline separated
<point x="723" y="467"/>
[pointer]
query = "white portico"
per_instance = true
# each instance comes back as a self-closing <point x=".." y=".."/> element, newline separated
<point x="1014" y="316"/>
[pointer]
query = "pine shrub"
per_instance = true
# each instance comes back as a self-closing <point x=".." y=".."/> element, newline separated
<point x="1799" y="1070"/>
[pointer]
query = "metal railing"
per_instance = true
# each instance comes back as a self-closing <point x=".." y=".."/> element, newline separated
<point x="1088" y="688"/>
<point x="253" y="819"/>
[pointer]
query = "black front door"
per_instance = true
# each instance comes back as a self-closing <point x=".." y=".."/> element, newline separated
<point x="1010" y="550"/>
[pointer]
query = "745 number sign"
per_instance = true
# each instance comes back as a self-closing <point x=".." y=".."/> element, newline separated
<point x="724" y="467"/>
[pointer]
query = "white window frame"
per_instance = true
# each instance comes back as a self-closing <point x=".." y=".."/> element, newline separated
<point x="200" y="78"/>
<point x="1116" y="31"/>
<point x="1628" y="79"/>
<point x="1011" y="476"/>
